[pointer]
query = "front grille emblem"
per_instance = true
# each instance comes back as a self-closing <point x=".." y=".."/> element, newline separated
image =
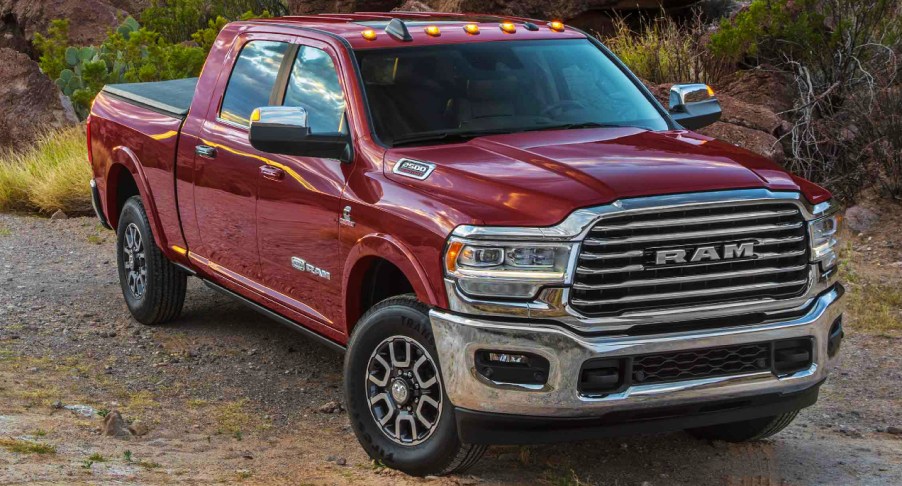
<point x="729" y="251"/>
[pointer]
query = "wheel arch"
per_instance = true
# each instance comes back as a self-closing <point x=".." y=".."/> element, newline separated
<point x="377" y="257"/>
<point x="125" y="178"/>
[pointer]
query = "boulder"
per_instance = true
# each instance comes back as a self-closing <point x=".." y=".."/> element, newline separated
<point x="31" y="101"/>
<point x="756" y="141"/>
<point x="89" y="20"/>
<point x="115" y="426"/>
<point x="860" y="219"/>
<point x="761" y="86"/>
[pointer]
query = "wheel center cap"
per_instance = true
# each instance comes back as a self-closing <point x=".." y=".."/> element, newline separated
<point x="400" y="392"/>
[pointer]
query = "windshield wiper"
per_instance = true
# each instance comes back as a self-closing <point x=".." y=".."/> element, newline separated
<point x="569" y="126"/>
<point x="449" y="135"/>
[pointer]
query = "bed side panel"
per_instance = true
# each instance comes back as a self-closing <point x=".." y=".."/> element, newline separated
<point x="124" y="135"/>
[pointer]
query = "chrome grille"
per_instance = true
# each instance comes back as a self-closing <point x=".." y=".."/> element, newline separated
<point x="617" y="273"/>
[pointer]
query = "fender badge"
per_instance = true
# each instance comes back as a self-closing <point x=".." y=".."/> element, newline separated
<point x="414" y="169"/>
<point x="345" y="218"/>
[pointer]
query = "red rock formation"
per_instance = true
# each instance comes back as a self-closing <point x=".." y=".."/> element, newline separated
<point x="31" y="102"/>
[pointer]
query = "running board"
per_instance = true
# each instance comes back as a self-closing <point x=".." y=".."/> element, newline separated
<point x="294" y="326"/>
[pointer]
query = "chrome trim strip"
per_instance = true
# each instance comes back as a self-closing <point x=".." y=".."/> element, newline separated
<point x="692" y="293"/>
<point x="764" y="228"/>
<point x="690" y="278"/>
<point x="635" y="268"/>
<point x="720" y="218"/>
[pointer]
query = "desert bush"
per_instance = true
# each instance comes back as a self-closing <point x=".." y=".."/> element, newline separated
<point x="174" y="44"/>
<point x="665" y="51"/>
<point x="843" y="55"/>
<point x="52" y="174"/>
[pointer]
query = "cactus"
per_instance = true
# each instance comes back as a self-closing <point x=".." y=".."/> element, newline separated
<point x="127" y="27"/>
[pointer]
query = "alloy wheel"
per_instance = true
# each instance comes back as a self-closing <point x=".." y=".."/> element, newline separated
<point x="404" y="390"/>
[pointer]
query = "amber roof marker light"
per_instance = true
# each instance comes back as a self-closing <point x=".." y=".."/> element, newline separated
<point x="471" y="29"/>
<point x="508" y="27"/>
<point x="369" y="34"/>
<point x="556" y="25"/>
<point x="433" y="31"/>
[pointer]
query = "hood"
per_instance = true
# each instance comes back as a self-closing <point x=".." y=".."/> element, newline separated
<point x="538" y="178"/>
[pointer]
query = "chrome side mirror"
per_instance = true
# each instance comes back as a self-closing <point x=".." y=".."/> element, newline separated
<point x="694" y="105"/>
<point x="285" y="130"/>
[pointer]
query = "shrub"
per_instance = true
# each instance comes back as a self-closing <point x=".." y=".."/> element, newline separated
<point x="52" y="174"/>
<point x="663" y="51"/>
<point x="843" y="55"/>
<point x="178" y="20"/>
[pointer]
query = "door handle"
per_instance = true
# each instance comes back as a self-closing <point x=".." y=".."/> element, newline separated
<point x="205" y="151"/>
<point x="272" y="173"/>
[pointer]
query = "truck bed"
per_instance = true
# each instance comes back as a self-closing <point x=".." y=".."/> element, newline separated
<point x="168" y="97"/>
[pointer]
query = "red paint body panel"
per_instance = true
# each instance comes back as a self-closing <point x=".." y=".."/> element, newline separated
<point x="241" y="230"/>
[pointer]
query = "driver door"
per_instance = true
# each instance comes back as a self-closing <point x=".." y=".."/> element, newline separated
<point x="299" y="197"/>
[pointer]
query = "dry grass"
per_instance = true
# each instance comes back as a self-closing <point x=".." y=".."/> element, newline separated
<point x="663" y="51"/>
<point x="876" y="308"/>
<point x="49" y="175"/>
<point x="26" y="447"/>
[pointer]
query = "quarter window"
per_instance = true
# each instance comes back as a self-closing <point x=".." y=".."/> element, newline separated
<point x="314" y="86"/>
<point x="252" y="80"/>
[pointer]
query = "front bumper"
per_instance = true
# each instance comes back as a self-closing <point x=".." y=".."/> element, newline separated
<point x="459" y="337"/>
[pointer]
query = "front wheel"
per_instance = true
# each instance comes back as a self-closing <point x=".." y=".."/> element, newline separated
<point x="747" y="430"/>
<point x="395" y="396"/>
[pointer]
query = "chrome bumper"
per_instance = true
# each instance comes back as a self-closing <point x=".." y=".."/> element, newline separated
<point x="459" y="337"/>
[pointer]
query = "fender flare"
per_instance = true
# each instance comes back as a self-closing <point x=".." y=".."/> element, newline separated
<point x="385" y="247"/>
<point x="123" y="158"/>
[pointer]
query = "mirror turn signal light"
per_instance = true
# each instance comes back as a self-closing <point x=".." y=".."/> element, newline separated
<point x="471" y="29"/>
<point x="255" y="115"/>
<point x="433" y="31"/>
<point x="556" y="26"/>
<point x="369" y="34"/>
<point x="508" y="27"/>
<point x="710" y="91"/>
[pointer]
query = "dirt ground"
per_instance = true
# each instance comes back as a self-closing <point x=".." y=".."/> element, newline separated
<point x="225" y="395"/>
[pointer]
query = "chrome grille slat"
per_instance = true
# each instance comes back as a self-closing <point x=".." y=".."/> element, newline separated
<point x="692" y="278"/>
<point x="616" y="272"/>
<point x="731" y="232"/>
<point x="696" y="221"/>
<point x="632" y="268"/>
<point x="695" y="293"/>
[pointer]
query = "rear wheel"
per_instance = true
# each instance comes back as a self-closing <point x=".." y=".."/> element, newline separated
<point x="747" y="430"/>
<point x="154" y="288"/>
<point x="395" y="396"/>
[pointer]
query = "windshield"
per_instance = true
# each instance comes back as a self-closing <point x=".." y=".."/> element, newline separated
<point x="455" y="91"/>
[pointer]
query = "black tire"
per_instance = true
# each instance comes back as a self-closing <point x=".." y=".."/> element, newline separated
<point x="439" y="453"/>
<point x="747" y="430"/>
<point x="164" y="286"/>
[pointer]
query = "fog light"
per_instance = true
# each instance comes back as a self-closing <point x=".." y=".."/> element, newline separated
<point x="516" y="368"/>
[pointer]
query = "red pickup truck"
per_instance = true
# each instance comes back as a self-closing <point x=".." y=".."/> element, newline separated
<point x="510" y="238"/>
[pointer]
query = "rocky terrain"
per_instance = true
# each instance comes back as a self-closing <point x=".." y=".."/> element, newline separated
<point x="226" y="395"/>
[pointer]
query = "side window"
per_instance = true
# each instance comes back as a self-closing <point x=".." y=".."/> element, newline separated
<point x="252" y="80"/>
<point x="314" y="85"/>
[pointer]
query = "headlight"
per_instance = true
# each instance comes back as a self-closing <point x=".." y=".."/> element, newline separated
<point x="823" y="233"/>
<point x="515" y="270"/>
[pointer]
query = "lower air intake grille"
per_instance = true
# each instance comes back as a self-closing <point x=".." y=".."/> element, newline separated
<point x="701" y="363"/>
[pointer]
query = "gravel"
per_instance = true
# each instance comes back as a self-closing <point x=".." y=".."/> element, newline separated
<point x="63" y="317"/>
